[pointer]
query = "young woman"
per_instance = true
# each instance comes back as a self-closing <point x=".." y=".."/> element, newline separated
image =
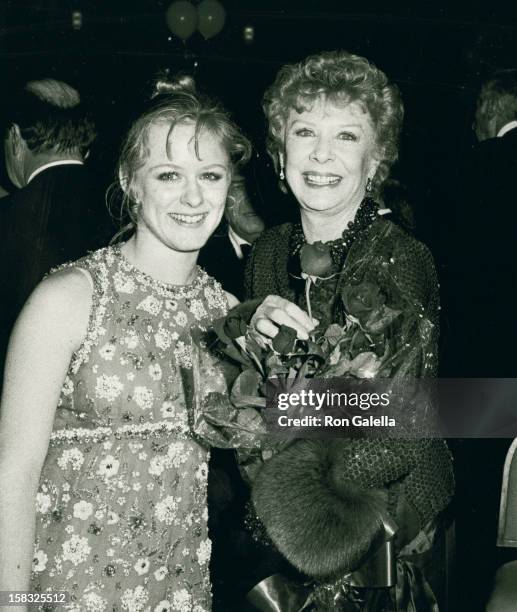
<point x="103" y="485"/>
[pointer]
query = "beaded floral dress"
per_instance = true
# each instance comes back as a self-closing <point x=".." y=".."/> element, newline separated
<point x="121" y="512"/>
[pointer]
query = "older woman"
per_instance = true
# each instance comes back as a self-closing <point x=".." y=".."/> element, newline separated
<point x="103" y="484"/>
<point x="334" y="121"/>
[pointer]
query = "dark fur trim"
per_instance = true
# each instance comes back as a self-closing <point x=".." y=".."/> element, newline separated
<point x="323" y="525"/>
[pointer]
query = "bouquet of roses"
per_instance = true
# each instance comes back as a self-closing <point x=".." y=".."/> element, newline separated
<point x="365" y="346"/>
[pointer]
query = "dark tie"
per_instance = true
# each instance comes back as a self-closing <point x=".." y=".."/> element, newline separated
<point x="246" y="250"/>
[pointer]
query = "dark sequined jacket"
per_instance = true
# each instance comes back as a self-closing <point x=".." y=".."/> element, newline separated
<point x="417" y="474"/>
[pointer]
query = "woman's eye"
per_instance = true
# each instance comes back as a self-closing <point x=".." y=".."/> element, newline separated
<point x="211" y="176"/>
<point x="347" y="136"/>
<point x="168" y="176"/>
<point x="304" y="132"/>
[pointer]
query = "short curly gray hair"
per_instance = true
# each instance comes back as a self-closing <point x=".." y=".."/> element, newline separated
<point x="342" y="78"/>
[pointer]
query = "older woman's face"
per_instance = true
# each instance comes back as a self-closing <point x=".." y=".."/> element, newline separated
<point x="182" y="195"/>
<point x="330" y="154"/>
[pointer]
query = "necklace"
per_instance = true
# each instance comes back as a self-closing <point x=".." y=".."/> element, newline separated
<point x="365" y="216"/>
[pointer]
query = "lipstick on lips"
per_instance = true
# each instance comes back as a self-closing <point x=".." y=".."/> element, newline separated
<point x="321" y="179"/>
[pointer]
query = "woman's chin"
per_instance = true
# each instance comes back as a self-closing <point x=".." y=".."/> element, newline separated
<point x="326" y="207"/>
<point x="188" y="245"/>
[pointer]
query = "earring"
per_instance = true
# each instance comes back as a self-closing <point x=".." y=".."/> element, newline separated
<point x="369" y="185"/>
<point x="135" y="207"/>
<point x="281" y="164"/>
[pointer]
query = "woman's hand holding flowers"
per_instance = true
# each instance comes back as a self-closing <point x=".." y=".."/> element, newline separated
<point x="276" y="311"/>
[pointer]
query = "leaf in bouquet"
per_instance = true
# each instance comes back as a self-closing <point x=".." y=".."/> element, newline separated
<point x="254" y="348"/>
<point x="335" y="355"/>
<point x="248" y="382"/>
<point x="243" y="343"/>
<point x="255" y="344"/>
<point x="279" y="371"/>
<point x="365" y="365"/>
<point x="232" y="434"/>
<point x="250" y="420"/>
<point x="313" y="348"/>
<point x="235" y="326"/>
<point x="351" y="320"/>
<point x="333" y="334"/>
<point x="296" y="361"/>
<point x="360" y="340"/>
<point x="304" y="371"/>
<point x="285" y="340"/>
<point x="245" y="401"/>
<point x="218" y="326"/>
<point x="236" y="354"/>
<point x="215" y="404"/>
<point x="380" y="319"/>
<point x="273" y="360"/>
<point x="275" y="366"/>
<point x="263" y="388"/>
<point x="340" y="368"/>
<point x="246" y="390"/>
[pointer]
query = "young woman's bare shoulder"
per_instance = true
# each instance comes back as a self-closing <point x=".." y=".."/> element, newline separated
<point x="66" y="288"/>
<point x="61" y="301"/>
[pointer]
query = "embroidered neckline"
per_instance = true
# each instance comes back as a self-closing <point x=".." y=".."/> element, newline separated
<point x="187" y="291"/>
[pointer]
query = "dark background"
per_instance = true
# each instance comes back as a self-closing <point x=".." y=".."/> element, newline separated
<point x="438" y="55"/>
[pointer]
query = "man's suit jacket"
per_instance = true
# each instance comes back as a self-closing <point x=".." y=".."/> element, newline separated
<point x="58" y="217"/>
<point x="483" y="283"/>
<point x="219" y="259"/>
<point x="480" y="341"/>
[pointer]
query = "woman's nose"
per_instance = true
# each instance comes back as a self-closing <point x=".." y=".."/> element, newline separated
<point x="192" y="195"/>
<point x="322" y="151"/>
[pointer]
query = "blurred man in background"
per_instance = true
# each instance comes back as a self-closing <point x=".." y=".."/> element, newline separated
<point x="225" y="254"/>
<point x="57" y="213"/>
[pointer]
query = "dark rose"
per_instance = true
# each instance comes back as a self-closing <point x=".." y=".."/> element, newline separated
<point x="284" y="341"/>
<point x="361" y="300"/>
<point x="315" y="259"/>
<point x="235" y="326"/>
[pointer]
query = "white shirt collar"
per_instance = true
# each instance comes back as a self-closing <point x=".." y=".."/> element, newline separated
<point x="236" y="241"/>
<point x="506" y="128"/>
<point x="60" y="162"/>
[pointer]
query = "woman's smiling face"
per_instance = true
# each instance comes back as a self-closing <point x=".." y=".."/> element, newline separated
<point x="330" y="154"/>
<point x="182" y="191"/>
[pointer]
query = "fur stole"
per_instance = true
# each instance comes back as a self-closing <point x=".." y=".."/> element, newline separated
<point x="322" y="523"/>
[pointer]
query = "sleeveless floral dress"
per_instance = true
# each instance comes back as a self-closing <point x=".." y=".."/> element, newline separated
<point x="121" y="512"/>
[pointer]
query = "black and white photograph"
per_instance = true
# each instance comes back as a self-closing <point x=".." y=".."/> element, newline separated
<point x="257" y="347"/>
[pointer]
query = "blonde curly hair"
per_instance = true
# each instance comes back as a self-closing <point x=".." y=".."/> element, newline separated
<point x="173" y="102"/>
